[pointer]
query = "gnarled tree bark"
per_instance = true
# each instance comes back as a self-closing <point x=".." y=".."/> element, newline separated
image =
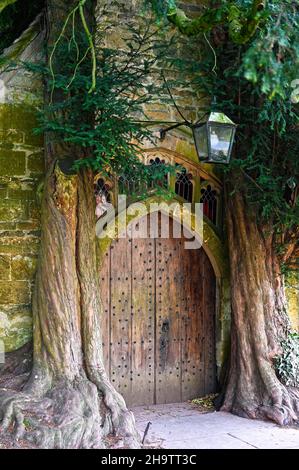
<point x="67" y="400"/>
<point x="62" y="397"/>
<point x="259" y="320"/>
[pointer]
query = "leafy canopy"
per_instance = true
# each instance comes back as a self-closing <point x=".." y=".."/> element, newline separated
<point x="253" y="82"/>
<point x="104" y="126"/>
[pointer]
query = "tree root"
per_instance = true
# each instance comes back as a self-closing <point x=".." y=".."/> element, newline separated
<point x="122" y="420"/>
<point x="69" y="416"/>
<point x="282" y="407"/>
<point x="285" y="408"/>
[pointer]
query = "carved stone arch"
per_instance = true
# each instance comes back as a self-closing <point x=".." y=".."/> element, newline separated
<point x="214" y="249"/>
<point x="149" y="158"/>
<point x="174" y="157"/>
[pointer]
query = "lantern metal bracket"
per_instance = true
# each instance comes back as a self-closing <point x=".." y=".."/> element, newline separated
<point x="179" y="124"/>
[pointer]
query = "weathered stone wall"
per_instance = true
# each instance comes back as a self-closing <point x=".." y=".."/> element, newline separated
<point x="161" y="111"/>
<point x="21" y="169"/>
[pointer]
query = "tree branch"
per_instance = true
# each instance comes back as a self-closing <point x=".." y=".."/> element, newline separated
<point x="6" y="3"/>
<point x="240" y="30"/>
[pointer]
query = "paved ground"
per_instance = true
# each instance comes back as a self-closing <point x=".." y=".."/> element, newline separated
<point x="183" y="426"/>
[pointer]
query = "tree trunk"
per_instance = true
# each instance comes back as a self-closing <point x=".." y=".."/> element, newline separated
<point x="67" y="401"/>
<point x="259" y="320"/>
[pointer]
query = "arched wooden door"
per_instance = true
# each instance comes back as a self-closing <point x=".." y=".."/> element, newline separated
<point x="159" y="319"/>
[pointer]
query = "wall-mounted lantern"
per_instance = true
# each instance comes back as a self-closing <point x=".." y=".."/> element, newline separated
<point x="213" y="137"/>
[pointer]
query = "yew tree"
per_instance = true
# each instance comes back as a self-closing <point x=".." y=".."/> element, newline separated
<point x="62" y="397"/>
<point x="250" y="64"/>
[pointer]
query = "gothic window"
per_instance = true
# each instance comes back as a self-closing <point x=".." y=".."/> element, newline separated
<point x="183" y="185"/>
<point x="129" y="185"/>
<point x="102" y="188"/>
<point x="156" y="164"/>
<point x="209" y="200"/>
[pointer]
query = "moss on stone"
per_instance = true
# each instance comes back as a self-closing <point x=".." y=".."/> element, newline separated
<point x="12" y="163"/>
<point x="17" y="243"/>
<point x="14" y="292"/>
<point x="23" y="267"/>
<point x="15" y="326"/>
<point x="21" y="194"/>
<point x="4" y="267"/>
<point x="4" y="226"/>
<point x="11" y="210"/>
<point x="17" y="116"/>
<point x="13" y="52"/>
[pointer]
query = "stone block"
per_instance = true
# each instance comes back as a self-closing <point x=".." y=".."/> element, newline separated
<point x="14" y="292"/>
<point x="23" y="267"/>
<point x="4" y="267"/>
<point x="12" y="163"/>
<point x="34" y="211"/>
<point x="21" y="194"/>
<point x="4" y="226"/>
<point x="15" y="326"/>
<point x="36" y="163"/>
<point x="12" y="210"/>
<point x="28" y="225"/>
<point x="17" y="243"/>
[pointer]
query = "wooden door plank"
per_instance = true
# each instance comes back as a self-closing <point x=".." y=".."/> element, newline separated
<point x="105" y="314"/>
<point x="120" y="293"/>
<point x="168" y="347"/>
<point x="143" y="318"/>
<point x="158" y="319"/>
<point x="193" y="375"/>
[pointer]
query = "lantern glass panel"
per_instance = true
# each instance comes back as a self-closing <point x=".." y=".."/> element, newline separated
<point x="220" y="139"/>
<point x="201" y="141"/>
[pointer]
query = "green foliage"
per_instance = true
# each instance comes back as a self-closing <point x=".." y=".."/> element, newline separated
<point x="5" y="3"/>
<point x="105" y="125"/>
<point x="271" y="27"/>
<point x="267" y="145"/>
<point x="72" y="20"/>
<point x="287" y="364"/>
<point x="15" y="17"/>
<point x="265" y="164"/>
<point x="272" y="60"/>
<point x="242" y="18"/>
<point x="161" y="7"/>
